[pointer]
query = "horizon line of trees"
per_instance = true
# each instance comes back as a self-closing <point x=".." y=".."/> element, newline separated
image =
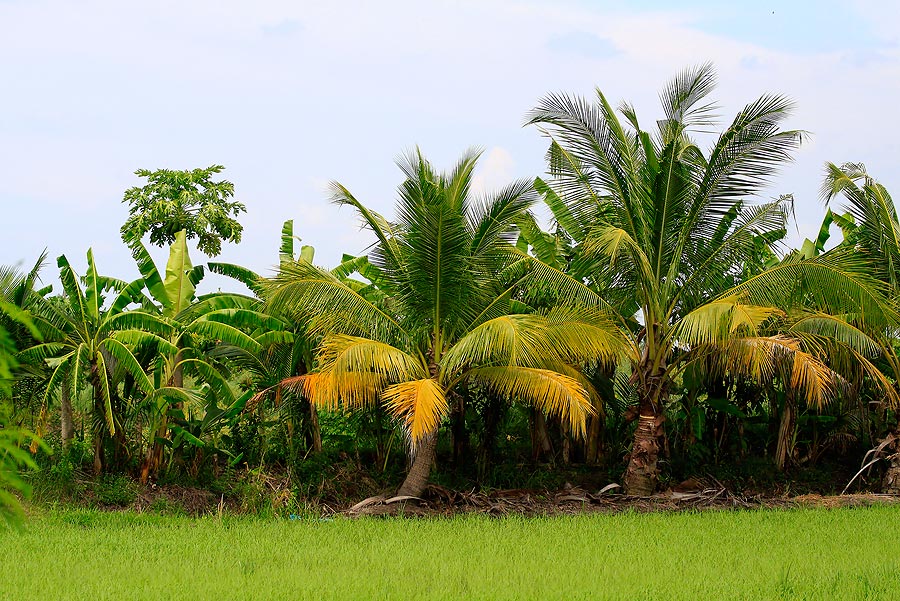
<point x="662" y="318"/>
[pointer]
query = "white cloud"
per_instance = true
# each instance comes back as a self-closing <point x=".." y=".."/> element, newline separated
<point x="289" y="95"/>
<point x="496" y="168"/>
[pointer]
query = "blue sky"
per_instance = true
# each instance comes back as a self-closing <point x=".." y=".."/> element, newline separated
<point x="290" y="95"/>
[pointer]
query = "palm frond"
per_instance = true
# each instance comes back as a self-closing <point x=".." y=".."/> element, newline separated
<point x="721" y="320"/>
<point x="341" y="354"/>
<point x="553" y="393"/>
<point x="419" y="405"/>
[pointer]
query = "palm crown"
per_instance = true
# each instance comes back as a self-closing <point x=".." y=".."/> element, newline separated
<point x="441" y="310"/>
<point x="658" y="221"/>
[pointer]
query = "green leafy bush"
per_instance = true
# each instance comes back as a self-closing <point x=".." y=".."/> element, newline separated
<point x="115" y="490"/>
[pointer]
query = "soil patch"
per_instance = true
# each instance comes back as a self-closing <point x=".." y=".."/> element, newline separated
<point x="571" y="500"/>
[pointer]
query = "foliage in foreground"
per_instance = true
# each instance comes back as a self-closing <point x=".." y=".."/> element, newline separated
<point x="795" y="554"/>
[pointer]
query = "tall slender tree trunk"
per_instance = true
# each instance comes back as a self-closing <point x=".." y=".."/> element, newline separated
<point x="565" y="443"/>
<point x="314" y="432"/>
<point x="459" y="431"/>
<point x="540" y="439"/>
<point x="890" y="484"/>
<point x="66" y="418"/>
<point x="785" y="438"/>
<point x="417" y="478"/>
<point x="488" y="447"/>
<point x="592" y="445"/>
<point x="642" y="473"/>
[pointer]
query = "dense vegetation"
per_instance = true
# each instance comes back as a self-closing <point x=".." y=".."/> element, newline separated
<point x="660" y="329"/>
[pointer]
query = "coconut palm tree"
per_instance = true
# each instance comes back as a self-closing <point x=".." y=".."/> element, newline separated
<point x="871" y="226"/>
<point x="672" y="227"/>
<point x="445" y="313"/>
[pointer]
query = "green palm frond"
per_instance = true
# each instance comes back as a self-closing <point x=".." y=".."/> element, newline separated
<point x="492" y="220"/>
<point x="835" y="328"/>
<point x="307" y="293"/>
<point x="838" y="281"/>
<point x="721" y="320"/>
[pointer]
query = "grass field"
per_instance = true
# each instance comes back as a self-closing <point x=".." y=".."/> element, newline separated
<point x="790" y="554"/>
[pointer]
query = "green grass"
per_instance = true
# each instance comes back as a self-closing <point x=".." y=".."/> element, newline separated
<point x="795" y="554"/>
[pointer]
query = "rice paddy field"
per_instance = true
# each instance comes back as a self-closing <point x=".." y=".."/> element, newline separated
<point x="775" y="554"/>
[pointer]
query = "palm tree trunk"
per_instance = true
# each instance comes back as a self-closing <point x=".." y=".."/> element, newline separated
<point x="785" y="431"/>
<point x="417" y="478"/>
<point x="66" y="419"/>
<point x="488" y="447"/>
<point x="592" y="445"/>
<point x="642" y="473"/>
<point x="540" y="439"/>
<point x="459" y="431"/>
<point x="890" y="484"/>
<point x="565" y="443"/>
<point x="314" y="431"/>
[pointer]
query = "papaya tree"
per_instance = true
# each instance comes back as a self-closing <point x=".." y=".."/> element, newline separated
<point x="190" y="201"/>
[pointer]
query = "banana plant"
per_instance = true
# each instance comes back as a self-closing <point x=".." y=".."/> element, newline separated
<point x="284" y="355"/>
<point x="218" y="317"/>
<point x="85" y="341"/>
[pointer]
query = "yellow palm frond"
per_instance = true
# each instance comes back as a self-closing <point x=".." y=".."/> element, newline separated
<point x="721" y="320"/>
<point x="881" y="382"/>
<point x="563" y="335"/>
<point x="576" y="374"/>
<point x="812" y="378"/>
<point x="553" y="393"/>
<point x="752" y="356"/>
<point x="761" y="357"/>
<point x="341" y="354"/>
<point x="331" y="391"/>
<point x="847" y="348"/>
<point x="419" y="405"/>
